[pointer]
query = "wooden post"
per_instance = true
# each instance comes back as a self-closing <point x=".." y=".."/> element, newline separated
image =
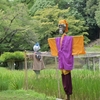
<point x="93" y="63"/>
<point x="57" y="77"/>
<point x="88" y="67"/>
<point x="26" y="82"/>
<point x="99" y="63"/>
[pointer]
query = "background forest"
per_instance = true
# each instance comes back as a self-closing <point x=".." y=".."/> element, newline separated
<point x="24" y="22"/>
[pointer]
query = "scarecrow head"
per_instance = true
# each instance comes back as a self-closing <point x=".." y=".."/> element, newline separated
<point x="63" y="26"/>
<point x="36" y="47"/>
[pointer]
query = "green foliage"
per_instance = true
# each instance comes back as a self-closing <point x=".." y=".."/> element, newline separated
<point x="11" y="79"/>
<point x="77" y="7"/>
<point x="7" y="56"/>
<point x="19" y="55"/>
<point x="97" y="15"/>
<point x="85" y="9"/>
<point x="40" y="4"/>
<point x="77" y="27"/>
<point x="4" y="4"/>
<point x="4" y="79"/>
<point x="12" y="56"/>
<point x="63" y="4"/>
<point x="85" y="83"/>
<point x="16" y="81"/>
<point x="29" y="3"/>
<point x="48" y="24"/>
<point x="91" y="6"/>
<point x="24" y="95"/>
<point x="17" y="32"/>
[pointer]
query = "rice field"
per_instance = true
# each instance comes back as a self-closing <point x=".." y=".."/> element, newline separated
<point x="86" y="83"/>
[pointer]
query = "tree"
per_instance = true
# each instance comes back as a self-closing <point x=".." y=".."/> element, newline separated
<point x="47" y="20"/>
<point x="11" y="58"/>
<point x="40" y="4"/>
<point x="86" y="9"/>
<point x="29" y="3"/>
<point x="89" y="11"/>
<point x="97" y="17"/>
<point x="17" y="32"/>
<point x="4" y="4"/>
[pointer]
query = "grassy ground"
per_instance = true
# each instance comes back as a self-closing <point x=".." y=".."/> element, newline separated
<point x="86" y="85"/>
<point x="23" y="95"/>
<point x="93" y="49"/>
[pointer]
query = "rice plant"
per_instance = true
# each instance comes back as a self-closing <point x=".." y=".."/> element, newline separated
<point x="86" y="83"/>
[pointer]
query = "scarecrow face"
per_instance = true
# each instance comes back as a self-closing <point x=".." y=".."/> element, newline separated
<point x="62" y="28"/>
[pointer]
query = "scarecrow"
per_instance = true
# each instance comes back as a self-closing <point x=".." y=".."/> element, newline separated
<point x="38" y="59"/>
<point x="65" y="47"/>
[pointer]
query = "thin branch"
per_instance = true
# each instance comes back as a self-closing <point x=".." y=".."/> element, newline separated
<point x="11" y="34"/>
<point x="8" y="29"/>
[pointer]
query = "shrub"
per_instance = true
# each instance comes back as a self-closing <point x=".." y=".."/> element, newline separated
<point x="11" y="57"/>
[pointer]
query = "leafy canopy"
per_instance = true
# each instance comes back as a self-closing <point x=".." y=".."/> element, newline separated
<point x="17" y="32"/>
<point x="97" y="15"/>
<point x="48" y="18"/>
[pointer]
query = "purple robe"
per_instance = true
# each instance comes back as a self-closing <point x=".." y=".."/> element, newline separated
<point x="65" y="57"/>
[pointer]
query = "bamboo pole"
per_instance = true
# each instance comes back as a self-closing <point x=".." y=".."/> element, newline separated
<point x="88" y="63"/>
<point x="99" y="63"/>
<point x="94" y="64"/>
<point x="26" y="79"/>
<point x="59" y="94"/>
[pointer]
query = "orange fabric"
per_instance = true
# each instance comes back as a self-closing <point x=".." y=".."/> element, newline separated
<point x="65" y="71"/>
<point x="62" y="39"/>
<point x="53" y="47"/>
<point x="78" y="45"/>
<point x="77" y="49"/>
<point x="64" y="22"/>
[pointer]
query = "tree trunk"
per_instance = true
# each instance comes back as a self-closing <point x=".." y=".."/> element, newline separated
<point x="11" y="65"/>
<point x="99" y="33"/>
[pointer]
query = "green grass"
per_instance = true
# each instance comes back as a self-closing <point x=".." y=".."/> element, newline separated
<point x="86" y="84"/>
<point x="23" y="95"/>
<point x="93" y="49"/>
